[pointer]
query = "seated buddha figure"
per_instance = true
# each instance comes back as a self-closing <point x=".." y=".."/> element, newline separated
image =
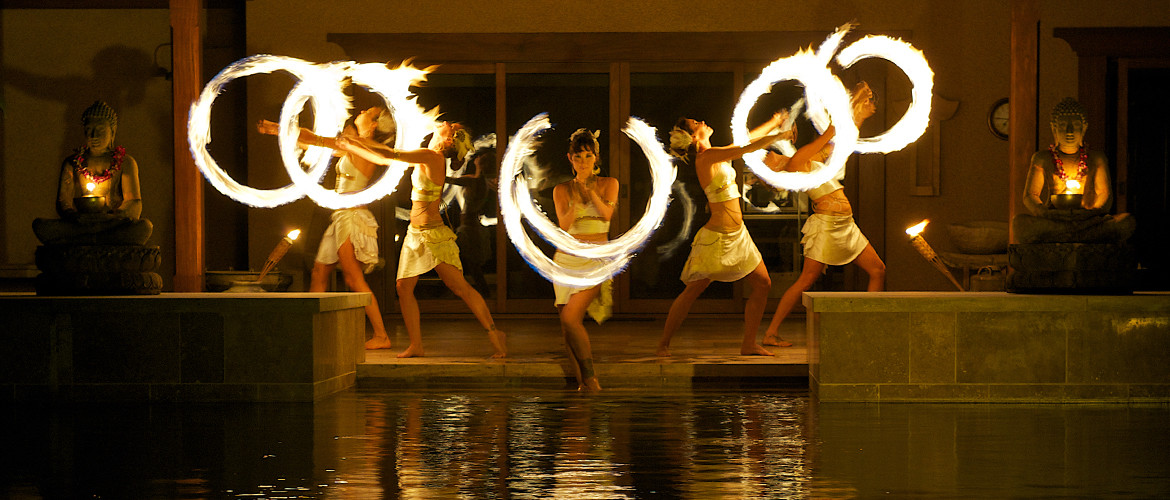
<point x="1067" y="191"/>
<point x="98" y="196"/>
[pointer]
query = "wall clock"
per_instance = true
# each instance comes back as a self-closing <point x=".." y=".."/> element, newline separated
<point x="997" y="118"/>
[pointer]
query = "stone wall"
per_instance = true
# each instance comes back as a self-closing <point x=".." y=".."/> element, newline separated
<point x="988" y="347"/>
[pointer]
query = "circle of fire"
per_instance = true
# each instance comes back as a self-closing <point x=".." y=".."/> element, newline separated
<point x="828" y="103"/>
<point x="516" y="203"/>
<point x="321" y="85"/>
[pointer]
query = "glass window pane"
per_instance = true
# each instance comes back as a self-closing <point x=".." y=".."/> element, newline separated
<point x="469" y="99"/>
<point x="661" y="99"/>
<point x="572" y="100"/>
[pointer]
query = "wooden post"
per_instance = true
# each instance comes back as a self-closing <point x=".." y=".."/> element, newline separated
<point x="187" y="56"/>
<point x="1023" y="97"/>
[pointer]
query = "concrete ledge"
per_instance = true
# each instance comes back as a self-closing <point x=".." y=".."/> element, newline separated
<point x="988" y="347"/>
<point x="181" y="347"/>
<point x="519" y="372"/>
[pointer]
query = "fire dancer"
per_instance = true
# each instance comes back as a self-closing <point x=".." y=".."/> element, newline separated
<point x="831" y="237"/>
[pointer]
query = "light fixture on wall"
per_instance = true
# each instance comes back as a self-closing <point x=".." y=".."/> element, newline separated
<point x="159" y="70"/>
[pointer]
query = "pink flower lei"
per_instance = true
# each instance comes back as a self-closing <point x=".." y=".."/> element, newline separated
<point x="1082" y="165"/>
<point x="115" y="165"/>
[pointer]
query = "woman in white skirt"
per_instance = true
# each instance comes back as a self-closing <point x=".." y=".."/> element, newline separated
<point x="429" y="243"/>
<point x="722" y="249"/>
<point x="584" y="207"/>
<point x="351" y="240"/>
<point x="831" y="237"/>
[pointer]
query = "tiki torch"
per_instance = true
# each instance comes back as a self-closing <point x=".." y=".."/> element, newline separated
<point x="278" y="252"/>
<point x="919" y="243"/>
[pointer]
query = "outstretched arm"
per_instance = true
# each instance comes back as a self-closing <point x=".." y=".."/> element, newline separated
<point x="808" y="151"/>
<point x="382" y="154"/>
<point x="770" y="124"/>
<point x="305" y="137"/>
<point x="728" y="153"/>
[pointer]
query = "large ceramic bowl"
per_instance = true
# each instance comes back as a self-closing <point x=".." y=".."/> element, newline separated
<point x="980" y="237"/>
<point x="218" y="281"/>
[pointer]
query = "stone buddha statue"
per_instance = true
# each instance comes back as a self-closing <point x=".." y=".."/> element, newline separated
<point x="97" y="246"/>
<point x="98" y="196"/>
<point x="1067" y="191"/>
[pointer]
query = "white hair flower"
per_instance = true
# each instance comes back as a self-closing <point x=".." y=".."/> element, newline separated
<point x="680" y="139"/>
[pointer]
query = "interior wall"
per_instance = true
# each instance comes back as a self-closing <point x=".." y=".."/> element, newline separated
<point x="56" y="62"/>
<point x="966" y="43"/>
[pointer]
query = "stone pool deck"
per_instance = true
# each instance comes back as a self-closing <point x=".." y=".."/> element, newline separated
<point x="180" y="346"/>
<point x="852" y="347"/>
<point x="988" y="347"/>
<point x="705" y="353"/>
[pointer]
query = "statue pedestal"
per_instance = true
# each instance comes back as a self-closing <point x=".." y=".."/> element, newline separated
<point x="98" y="270"/>
<point x="1074" y="268"/>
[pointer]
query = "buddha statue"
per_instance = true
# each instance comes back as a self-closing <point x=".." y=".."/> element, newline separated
<point x="97" y="246"/>
<point x="98" y="196"/>
<point x="1067" y="191"/>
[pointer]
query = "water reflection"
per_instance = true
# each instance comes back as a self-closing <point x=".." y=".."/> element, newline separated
<point x="569" y="446"/>
<point x="529" y="444"/>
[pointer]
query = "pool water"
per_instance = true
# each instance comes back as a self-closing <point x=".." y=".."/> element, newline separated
<point x="553" y="444"/>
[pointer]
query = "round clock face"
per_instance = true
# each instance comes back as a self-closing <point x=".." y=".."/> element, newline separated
<point x="997" y="118"/>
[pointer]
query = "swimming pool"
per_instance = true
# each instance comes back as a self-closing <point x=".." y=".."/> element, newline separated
<point x="619" y="444"/>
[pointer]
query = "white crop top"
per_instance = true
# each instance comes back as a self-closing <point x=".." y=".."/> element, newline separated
<point x="722" y="186"/>
<point x="826" y="188"/>
<point x="349" y="178"/>
<point x="588" y="220"/>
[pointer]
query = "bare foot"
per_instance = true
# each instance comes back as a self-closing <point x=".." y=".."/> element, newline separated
<point x="378" y="342"/>
<point x="776" y="341"/>
<point x="411" y="351"/>
<point x="754" y="350"/>
<point x="499" y="341"/>
<point x="663" y="351"/>
<point x="590" y="385"/>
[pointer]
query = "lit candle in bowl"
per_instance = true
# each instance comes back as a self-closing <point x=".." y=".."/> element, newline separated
<point x="1071" y="197"/>
<point x="90" y="203"/>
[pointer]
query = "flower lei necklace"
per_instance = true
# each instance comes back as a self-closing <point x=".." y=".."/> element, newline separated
<point x="98" y="178"/>
<point x="1082" y="166"/>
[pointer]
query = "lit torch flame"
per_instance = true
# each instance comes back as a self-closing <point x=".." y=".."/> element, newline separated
<point x="917" y="228"/>
<point x="89" y="187"/>
<point x="919" y="243"/>
<point x="278" y="252"/>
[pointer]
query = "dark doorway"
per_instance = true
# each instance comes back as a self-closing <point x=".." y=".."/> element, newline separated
<point x="1148" y="172"/>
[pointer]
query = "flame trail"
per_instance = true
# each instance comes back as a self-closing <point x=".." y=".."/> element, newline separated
<point x="822" y="91"/>
<point x="911" y="61"/>
<point x="828" y="103"/>
<point x="516" y="203"/>
<point x="688" y="210"/>
<point x="322" y="86"/>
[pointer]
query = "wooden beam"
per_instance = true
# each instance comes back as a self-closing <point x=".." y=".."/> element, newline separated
<point x="187" y="56"/>
<point x="446" y="48"/>
<point x="1024" y="97"/>
<point x="105" y="4"/>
